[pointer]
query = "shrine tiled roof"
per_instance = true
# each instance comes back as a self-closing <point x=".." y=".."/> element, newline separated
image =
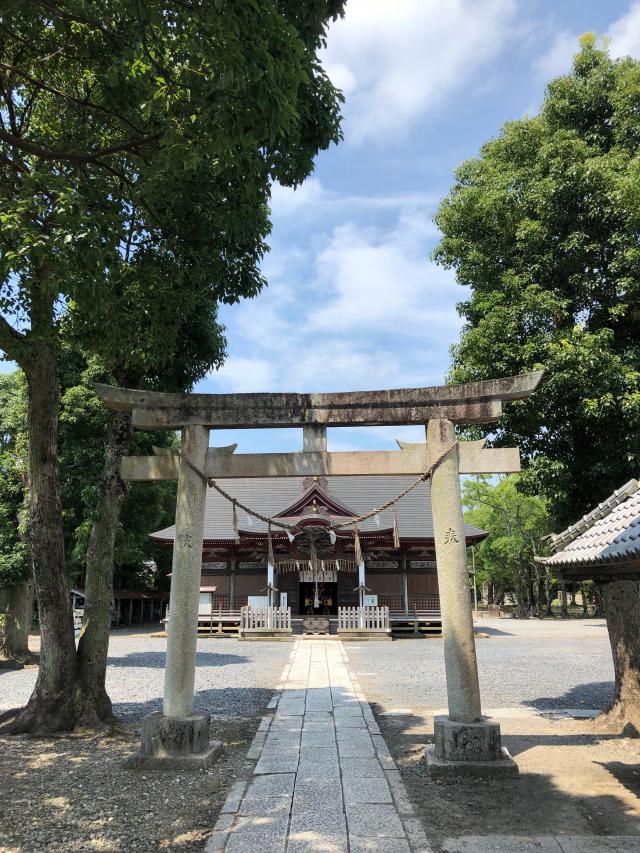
<point x="609" y="534"/>
<point x="270" y="496"/>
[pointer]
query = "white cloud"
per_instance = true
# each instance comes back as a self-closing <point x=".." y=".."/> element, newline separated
<point x="625" y="33"/>
<point x="558" y="58"/>
<point x="245" y="374"/>
<point x="362" y="308"/>
<point x="397" y="60"/>
<point x="285" y="200"/>
<point x="311" y="198"/>
<point x="623" y="36"/>
<point x="383" y="284"/>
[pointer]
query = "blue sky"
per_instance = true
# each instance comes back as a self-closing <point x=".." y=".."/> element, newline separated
<point x="353" y="300"/>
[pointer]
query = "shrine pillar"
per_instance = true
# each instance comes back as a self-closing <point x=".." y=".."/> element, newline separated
<point x="465" y="741"/>
<point x="233" y="563"/>
<point x="179" y="735"/>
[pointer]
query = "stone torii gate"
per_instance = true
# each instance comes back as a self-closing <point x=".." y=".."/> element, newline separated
<point x="464" y="738"/>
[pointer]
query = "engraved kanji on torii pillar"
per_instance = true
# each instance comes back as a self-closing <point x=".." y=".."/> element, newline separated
<point x="180" y="735"/>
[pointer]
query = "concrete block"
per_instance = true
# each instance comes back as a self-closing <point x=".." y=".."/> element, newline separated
<point x="368" y="820"/>
<point x="276" y="785"/>
<point x="365" y="790"/>
<point x="501" y="844"/>
<point x="378" y="845"/>
<point x="444" y="768"/>
<point x="318" y="821"/>
<point x="478" y="741"/>
<point x="599" y="844"/>
<point x="314" y="842"/>
<point x="256" y="806"/>
<point x="175" y="743"/>
<point x="277" y="763"/>
<point x="356" y="749"/>
<point x="364" y="767"/>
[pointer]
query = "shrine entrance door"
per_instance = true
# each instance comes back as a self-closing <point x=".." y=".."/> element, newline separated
<point x="327" y="599"/>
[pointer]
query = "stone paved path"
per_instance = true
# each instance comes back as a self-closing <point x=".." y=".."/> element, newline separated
<point x="324" y="781"/>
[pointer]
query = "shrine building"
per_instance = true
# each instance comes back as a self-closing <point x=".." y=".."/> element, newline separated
<point x="399" y="564"/>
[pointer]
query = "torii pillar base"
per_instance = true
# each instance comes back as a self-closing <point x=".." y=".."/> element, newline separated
<point x="176" y="743"/>
<point x="468" y="750"/>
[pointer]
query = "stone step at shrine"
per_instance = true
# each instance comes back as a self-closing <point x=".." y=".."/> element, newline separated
<point x="179" y="734"/>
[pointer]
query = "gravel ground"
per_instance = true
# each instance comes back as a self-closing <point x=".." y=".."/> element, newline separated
<point x="537" y="664"/>
<point x="67" y="794"/>
<point x="231" y="677"/>
<point x="75" y="795"/>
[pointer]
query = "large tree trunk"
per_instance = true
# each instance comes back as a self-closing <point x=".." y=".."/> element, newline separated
<point x="16" y="611"/>
<point x="94" y="702"/>
<point x="621" y="600"/>
<point x="51" y="706"/>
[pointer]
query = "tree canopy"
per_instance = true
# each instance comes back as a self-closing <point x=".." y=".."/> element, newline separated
<point x="516" y="524"/>
<point x="544" y="228"/>
<point x="149" y="132"/>
<point x="139" y="145"/>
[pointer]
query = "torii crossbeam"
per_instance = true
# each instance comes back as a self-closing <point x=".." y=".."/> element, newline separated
<point x="179" y="734"/>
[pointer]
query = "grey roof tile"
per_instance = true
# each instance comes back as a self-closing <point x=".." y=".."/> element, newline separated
<point x="271" y="495"/>
<point x="613" y="538"/>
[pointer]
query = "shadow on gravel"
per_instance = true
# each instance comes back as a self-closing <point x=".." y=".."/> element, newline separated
<point x="227" y="703"/>
<point x="156" y="660"/>
<point x="627" y="774"/>
<point x="561" y="788"/>
<point x="594" y="695"/>
<point x="491" y="632"/>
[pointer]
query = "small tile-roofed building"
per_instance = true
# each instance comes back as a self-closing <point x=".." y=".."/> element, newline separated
<point x="402" y="578"/>
<point x="604" y="544"/>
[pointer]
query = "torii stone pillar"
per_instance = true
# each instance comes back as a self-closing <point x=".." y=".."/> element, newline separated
<point x="465" y="741"/>
<point x="180" y="735"/>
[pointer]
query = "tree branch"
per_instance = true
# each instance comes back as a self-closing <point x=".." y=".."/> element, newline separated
<point x="76" y="157"/>
<point x="89" y="105"/>
<point x="53" y="7"/>
<point x="12" y="342"/>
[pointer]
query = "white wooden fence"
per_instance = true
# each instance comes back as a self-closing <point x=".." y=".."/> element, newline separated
<point x="265" y="619"/>
<point x="363" y="619"/>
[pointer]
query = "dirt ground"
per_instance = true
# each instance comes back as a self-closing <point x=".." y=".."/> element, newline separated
<point x="572" y="781"/>
<point x="68" y="795"/>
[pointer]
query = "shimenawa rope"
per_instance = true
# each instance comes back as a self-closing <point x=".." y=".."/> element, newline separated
<point x="336" y="525"/>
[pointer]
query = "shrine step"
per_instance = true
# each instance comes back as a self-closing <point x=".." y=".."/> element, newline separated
<point x="411" y="628"/>
<point x="297" y="627"/>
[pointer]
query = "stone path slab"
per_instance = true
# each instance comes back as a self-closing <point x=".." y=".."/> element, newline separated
<point x="543" y="844"/>
<point x="324" y="780"/>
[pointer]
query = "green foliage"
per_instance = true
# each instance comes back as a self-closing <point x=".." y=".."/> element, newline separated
<point x="82" y="435"/>
<point x="14" y="562"/>
<point x="544" y="228"/>
<point x="516" y="524"/>
<point x="83" y="429"/>
<point x="141" y="141"/>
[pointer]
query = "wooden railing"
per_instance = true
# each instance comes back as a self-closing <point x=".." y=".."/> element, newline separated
<point x="222" y="602"/>
<point x="363" y="619"/>
<point x="419" y="603"/>
<point x="254" y="619"/>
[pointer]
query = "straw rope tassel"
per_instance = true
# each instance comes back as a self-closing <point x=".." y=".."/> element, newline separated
<point x="357" y="550"/>
<point x="396" y="535"/>
<point x="270" y="557"/>
<point x="313" y="559"/>
<point x="236" y="532"/>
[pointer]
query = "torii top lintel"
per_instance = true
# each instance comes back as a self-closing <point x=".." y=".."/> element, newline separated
<point x="467" y="403"/>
